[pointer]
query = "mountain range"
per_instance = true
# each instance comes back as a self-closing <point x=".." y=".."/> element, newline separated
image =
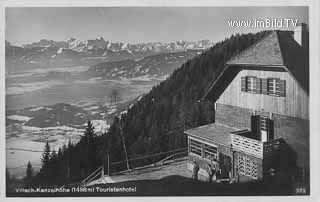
<point x="48" y="53"/>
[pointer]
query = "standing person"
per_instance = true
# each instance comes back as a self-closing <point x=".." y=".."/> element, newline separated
<point x="219" y="173"/>
<point x="195" y="170"/>
<point x="211" y="172"/>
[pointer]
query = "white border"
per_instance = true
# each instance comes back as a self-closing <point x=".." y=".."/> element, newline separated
<point x="314" y="85"/>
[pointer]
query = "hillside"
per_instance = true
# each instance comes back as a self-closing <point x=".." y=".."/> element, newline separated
<point x="155" y="122"/>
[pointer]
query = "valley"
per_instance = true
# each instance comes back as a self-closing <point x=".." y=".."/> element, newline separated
<point x="54" y="103"/>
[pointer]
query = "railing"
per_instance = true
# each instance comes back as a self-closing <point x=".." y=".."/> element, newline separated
<point x="271" y="146"/>
<point x="247" y="145"/>
<point x="243" y="133"/>
<point x="172" y="157"/>
<point x="152" y="158"/>
<point x="155" y="159"/>
<point x="92" y="176"/>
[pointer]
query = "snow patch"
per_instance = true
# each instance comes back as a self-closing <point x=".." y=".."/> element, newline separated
<point x="95" y="79"/>
<point x="53" y="128"/>
<point x="100" y="126"/>
<point x="39" y="108"/>
<point x="91" y="108"/>
<point x="124" y="112"/>
<point x="19" y="118"/>
<point x="60" y="50"/>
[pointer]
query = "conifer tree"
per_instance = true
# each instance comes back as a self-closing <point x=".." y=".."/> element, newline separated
<point x="89" y="133"/>
<point x="29" y="171"/>
<point x="44" y="171"/>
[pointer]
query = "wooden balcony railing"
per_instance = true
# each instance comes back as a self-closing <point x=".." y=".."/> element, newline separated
<point x="241" y="142"/>
<point x="247" y="145"/>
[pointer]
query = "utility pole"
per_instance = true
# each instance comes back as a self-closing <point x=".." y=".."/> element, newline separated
<point x="108" y="165"/>
<point x="123" y="143"/>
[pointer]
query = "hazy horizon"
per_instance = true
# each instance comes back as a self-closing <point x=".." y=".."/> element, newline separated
<point x="135" y="24"/>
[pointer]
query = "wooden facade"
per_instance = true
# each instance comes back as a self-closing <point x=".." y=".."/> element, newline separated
<point x="295" y="103"/>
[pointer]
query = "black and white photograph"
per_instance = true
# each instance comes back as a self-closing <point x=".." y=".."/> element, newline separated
<point x="104" y="101"/>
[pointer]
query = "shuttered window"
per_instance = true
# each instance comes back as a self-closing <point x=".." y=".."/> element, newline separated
<point x="272" y="86"/>
<point x="250" y="84"/>
<point x="276" y="87"/>
<point x="266" y="86"/>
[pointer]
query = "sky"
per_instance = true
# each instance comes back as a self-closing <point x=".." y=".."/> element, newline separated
<point x="136" y="24"/>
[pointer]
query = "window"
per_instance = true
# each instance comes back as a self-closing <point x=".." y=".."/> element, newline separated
<point x="262" y="128"/>
<point x="276" y="87"/>
<point x="210" y="152"/>
<point x="250" y="84"/>
<point x="267" y="86"/>
<point x="272" y="86"/>
<point x="195" y="147"/>
<point x="203" y="149"/>
<point x="265" y="128"/>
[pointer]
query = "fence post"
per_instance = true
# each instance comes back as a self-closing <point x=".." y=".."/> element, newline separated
<point x="102" y="172"/>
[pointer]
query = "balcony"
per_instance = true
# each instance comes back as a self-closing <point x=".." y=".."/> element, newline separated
<point x="241" y="141"/>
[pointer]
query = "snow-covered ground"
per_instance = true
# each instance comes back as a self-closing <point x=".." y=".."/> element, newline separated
<point x="19" y="118"/>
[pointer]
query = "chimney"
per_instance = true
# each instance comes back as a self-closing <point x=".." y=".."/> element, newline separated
<point x="301" y="35"/>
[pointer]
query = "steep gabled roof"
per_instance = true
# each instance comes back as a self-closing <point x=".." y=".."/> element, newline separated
<point x="277" y="50"/>
<point x="264" y="52"/>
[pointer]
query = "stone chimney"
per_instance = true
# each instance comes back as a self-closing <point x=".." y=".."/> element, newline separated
<point x="301" y="35"/>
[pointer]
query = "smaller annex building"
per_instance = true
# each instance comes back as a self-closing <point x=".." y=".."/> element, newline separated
<point x="236" y="154"/>
<point x="261" y="103"/>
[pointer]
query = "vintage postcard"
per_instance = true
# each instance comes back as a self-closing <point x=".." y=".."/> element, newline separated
<point x="157" y="101"/>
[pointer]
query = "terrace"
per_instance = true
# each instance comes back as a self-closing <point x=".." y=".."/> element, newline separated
<point x="242" y="141"/>
<point x="234" y="138"/>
